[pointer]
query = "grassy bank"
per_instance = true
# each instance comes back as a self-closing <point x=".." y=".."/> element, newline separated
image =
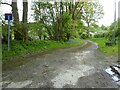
<point x="107" y="50"/>
<point x="19" y="48"/>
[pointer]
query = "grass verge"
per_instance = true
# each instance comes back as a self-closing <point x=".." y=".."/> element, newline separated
<point x="107" y="50"/>
<point x="19" y="48"/>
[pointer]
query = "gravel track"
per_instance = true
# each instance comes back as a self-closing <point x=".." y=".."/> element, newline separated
<point x="75" y="67"/>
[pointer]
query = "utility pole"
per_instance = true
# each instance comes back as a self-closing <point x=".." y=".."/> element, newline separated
<point x="0" y="33"/>
<point x="114" y="21"/>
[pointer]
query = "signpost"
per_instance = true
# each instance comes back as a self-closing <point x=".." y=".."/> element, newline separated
<point x="8" y="16"/>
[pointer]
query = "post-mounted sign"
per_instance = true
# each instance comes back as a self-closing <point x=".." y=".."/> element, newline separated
<point x="8" y="16"/>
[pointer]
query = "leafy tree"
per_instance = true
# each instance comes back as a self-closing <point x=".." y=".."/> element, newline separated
<point x="111" y="28"/>
<point x="92" y="12"/>
<point x="53" y="16"/>
<point x="44" y="13"/>
<point x="118" y="28"/>
<point x="66" y="23"/>
<point x="103" y="27"/>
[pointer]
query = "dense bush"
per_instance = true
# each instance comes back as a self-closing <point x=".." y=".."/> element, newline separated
<point x="84" y="35"/>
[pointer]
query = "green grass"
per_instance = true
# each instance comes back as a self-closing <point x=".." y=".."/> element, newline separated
<point x="19" y="48"/>
<point x="107" y="50"/>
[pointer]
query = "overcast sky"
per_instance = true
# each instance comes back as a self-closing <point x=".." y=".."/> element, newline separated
<point x="108" y="6"/>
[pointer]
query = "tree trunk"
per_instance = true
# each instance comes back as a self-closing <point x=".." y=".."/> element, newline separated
<point x="61" y="22"/>
<point x="17" y="34"/>
<point x="70" y="8"/>
<point x="24" y="20"/>
<point x="88" y="29"/>
<point x="66" y="6"/>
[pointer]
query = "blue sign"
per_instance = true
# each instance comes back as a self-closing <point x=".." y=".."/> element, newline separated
<point x="8" y="16"/>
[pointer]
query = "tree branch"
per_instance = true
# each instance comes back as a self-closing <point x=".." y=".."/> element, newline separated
<point x="7" y="4"/>
<point x="80" y="9"/>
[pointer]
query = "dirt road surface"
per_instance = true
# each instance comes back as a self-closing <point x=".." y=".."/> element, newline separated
<point x="75" y="67"/>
